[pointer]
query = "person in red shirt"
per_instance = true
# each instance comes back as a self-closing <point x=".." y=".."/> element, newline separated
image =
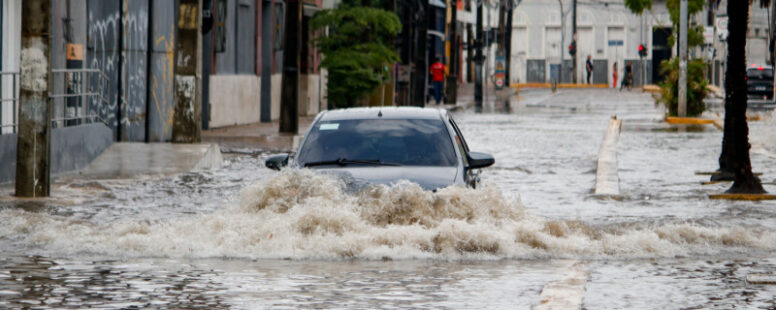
<point x="438" y="79"/>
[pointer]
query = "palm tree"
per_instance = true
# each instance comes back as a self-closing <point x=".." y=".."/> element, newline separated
<point x="734" y="162"/>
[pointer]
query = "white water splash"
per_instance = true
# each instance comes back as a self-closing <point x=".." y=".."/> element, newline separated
<point x="304" y="215"/>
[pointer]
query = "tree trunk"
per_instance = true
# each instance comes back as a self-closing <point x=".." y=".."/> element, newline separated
<point x="735" y="142"/>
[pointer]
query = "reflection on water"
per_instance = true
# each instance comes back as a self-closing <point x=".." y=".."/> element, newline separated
<point x="36" y="282"/>
<point x="44" y="283"/>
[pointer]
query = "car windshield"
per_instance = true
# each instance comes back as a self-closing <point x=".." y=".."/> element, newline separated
<point x="406" y="142"/>
<point x="759" y="74"/>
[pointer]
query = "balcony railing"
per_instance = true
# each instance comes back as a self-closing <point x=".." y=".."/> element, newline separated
<point x="80" y="96"/>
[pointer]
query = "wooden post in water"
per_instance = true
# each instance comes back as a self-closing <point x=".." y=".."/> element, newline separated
<point x="33" y="153"/>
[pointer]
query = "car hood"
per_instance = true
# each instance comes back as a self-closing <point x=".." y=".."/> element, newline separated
<point x="429" y="178"/>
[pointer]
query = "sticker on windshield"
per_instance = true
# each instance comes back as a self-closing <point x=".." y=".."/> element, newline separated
<point x="332" y="126"/>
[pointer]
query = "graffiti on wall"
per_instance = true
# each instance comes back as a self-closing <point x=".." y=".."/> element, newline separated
<point x="140" y="70"/>
<point x="103" y="54"/>
<point x="134" y="79"/>
<point x="160" y="80"/>
<point x="161" y="117"/>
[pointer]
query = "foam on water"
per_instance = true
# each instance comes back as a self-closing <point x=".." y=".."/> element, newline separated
<point x="304" y="215"/>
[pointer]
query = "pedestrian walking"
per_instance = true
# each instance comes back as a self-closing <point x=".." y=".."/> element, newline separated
<point x="627" y="79"/>
<point x="614" y="75"/>
<point x="438" y="79"/>
<point x="589" y="68"/>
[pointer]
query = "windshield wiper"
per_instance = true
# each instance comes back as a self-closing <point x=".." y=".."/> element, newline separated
<point x="345" y="161"/>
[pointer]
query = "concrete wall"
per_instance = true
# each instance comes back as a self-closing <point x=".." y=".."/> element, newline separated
<point x="234" y="100"/>
<point x="7" y="157"/>
<point x="309" y="85"/>
<point x="72" y="148"/>
<point x="277" y="80"/>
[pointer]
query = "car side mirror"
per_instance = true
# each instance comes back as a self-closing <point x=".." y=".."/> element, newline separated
<point x="275" y="162"/>
<point x="480" y="160"/>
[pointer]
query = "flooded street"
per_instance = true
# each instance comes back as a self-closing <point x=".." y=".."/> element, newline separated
<point x="248" y="237"/>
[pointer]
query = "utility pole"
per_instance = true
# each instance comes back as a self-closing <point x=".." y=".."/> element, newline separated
<point x="508" y="41"/>
<point x="404" y="74"/>
<point x="266" y="61"/>
<point x="452" y="77"/>
<point x="772" y="44"/>
<point x="289" y="95"/>
<point x="33" y="153"/>
<point x="187" y="119"/>
<point x="420" y="18"/>
<point x="682" y="109"/>
<point x="562" y="39"/>
<point x="478" y="58"/>
<point x="501" y="25"/>
<point x="574" y="41"/>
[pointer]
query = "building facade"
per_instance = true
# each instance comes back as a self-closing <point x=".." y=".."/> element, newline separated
<point x="132" y="45"/>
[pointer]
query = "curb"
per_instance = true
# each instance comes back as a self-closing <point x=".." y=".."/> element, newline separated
<point x="517" y="86"/>
<point x="693" y="121"/>
<point x="607" y="181"/>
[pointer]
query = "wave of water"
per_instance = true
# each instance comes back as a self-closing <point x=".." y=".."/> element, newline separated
<point x="304" y="215"/>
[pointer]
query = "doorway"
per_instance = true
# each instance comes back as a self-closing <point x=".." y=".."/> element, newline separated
<point x="660" y="51"/>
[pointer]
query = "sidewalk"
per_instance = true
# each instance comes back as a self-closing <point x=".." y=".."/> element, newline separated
<point x="466" y="96"/>
<point x="261" y="136"/>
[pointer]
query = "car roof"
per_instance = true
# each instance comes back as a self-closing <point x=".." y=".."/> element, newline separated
<point x="383" y="113"/>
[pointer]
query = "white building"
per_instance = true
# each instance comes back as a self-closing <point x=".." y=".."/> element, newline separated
<point x="609" y="33"/>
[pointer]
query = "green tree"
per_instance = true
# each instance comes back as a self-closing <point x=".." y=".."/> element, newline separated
<point x="357" y="48"/>
<point x="734" y="161"/>
<point x="694" y="33"/>
<point x="696" y="86"/>
<point x="638" y="6"/>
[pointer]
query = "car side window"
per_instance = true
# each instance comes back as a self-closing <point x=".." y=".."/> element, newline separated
<point x="459" y="134"/>
<point x="460" y="142"/>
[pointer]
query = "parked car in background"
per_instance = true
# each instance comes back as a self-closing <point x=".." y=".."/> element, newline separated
<point x="759" y="83"/>
<point x="387" y="144"/>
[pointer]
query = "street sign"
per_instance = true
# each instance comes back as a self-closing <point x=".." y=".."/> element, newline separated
<point x="722" y="22"/>
<point x="708" y="35"/>
<point x="722" y="27"/>
<point x="501" y="65"/>
<point x="404" y="73"/>
<point x="615" y="42"/>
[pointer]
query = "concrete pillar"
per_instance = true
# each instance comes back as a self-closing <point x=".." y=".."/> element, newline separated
<point x="682" y="108"/>
<point x="452" y="65"/>
<point x="187" y="120"/>
<point x="266" y="61"/>
<point x="33" y="156"/>
<point x="421" y="57"/>
<point x="289" y="95"/>
<point x="574" y="66"/>
<point x="478" y="58"/>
